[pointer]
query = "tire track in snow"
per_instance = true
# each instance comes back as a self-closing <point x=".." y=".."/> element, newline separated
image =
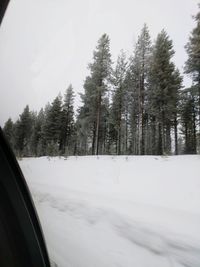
<point x="174" y="248"/>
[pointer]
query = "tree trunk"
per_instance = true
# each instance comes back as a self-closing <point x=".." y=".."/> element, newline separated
<point x="119" y="131"/>
<point x="153" y="149"/>
<point x="186" y="138"/>
<point x="194" y="141"/>
<point x="139" y="118"/>
<point x="142" y="113"/>
<point x="119" y="140"/>
<point x="199" y="102"/>
<point x="199" y="120"/>
<point x="98" y="120"/>
<point x="93" y="139"/>
<point x="176" y="136"/>
<point x="160" y="140"/>
<point x="126" y="134"/>
<point x="168" y="139"/>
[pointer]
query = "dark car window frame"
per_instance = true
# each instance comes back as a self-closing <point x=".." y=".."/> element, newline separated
<point x="22" y="242"/>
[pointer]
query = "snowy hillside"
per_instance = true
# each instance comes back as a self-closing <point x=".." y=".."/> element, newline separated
<point x="118" y="211"/>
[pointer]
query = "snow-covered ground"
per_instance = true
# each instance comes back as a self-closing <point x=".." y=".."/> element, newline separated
<point x="118" y="211"/>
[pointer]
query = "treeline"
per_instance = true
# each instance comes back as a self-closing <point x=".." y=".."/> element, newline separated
<point x="137" y="107"/>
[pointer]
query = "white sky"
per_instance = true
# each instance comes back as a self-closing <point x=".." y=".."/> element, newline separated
<point x="47" y="44"/>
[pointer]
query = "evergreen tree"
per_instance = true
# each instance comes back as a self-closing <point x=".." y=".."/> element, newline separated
<point x="67" y="130"/>
<point x="53" y="126"/>
<point x="142" y="54"/>
<point x="100" y="71"/>
<point x="104" y="130"/>
<point x="192" y="65"/>
<point x="23" y="131"/>
<point x="188" y="119"/>
<point x="118" y="101"/>
<point x="37" y="147"/>
<point x="82" y="131"/>
<point x="131" y="97"/>
<point x="164" y="82"/>
<point x="8" y="131"/>
<point x="174" y="105"/>
<point x="139" y="68"/>
<point x="86" y="119"/>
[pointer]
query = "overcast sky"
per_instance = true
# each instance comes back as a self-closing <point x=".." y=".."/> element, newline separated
<point x="47" y="44"/>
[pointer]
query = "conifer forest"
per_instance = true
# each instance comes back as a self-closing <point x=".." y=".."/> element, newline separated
<point x="134" y="106"/>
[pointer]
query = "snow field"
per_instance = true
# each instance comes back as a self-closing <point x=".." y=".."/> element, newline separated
<point x="118" y="210"/>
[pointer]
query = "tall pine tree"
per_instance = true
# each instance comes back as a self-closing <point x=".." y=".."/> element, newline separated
<point x="118" y="101"/>
<point x="100" y="70"/>
<point x="164" y="82"/>
<point x="192" y="65"/>
<point x="139" y="68"/>
<point x="67" y="129"/>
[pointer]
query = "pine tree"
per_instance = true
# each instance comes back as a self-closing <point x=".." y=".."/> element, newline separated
<point x="142" y="54"/>
<point x="100" y="71"/>
<point x="9" y="131"/>
<point x="23" y="131"/>
<point x="188" y="119"/>
<point x="90" y="119"/>
<point x="86" y="119"/>
<point x="37" y="147"/>
<point x="118" y="101"/>
<point x="192" y="65"/>
<point x="53" y="126"/>
<point x="139" y="68"/>
<point x="82" y="132"/>
<point x="67" y="130"/>
<point x="175" y="105"/>
<point x="132" y="108"/>
<point x="104" y="130"/>
<point x="164" y="82"/>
